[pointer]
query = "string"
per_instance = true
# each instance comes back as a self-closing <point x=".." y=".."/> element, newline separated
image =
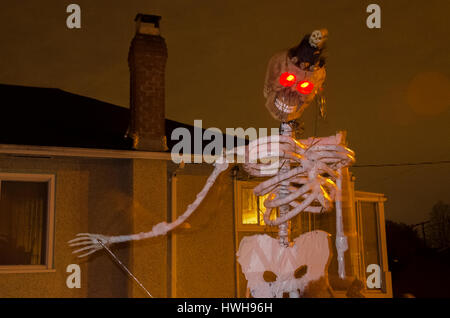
<point x="315" y="119"/>
<point x="124" y="267"/>
<point x="403" y="164"/>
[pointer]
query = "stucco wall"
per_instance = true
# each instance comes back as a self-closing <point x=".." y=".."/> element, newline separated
<point x="116" y="197"/>
<point x="90" y="196"/>
<point x="149" y="257"/>
<point x="204" y="254"/>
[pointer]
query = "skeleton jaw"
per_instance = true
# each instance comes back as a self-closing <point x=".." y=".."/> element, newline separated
<point x="284" y="107"/>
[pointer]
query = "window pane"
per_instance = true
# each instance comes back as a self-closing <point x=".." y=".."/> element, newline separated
<point x="253" y="208"/>
<point x="249" y="207"/>
<point x="369" y="220"/>
<point x="23" y="220"/>
<point x="262" y="210"/>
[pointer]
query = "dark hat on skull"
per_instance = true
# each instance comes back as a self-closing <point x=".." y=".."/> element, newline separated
<point x="310" y="50"/>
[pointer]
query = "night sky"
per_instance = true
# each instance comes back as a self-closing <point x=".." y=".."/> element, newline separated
<point x="389" y="87"/>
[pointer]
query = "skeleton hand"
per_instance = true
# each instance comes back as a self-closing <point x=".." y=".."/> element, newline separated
<point x="91" y="240"/>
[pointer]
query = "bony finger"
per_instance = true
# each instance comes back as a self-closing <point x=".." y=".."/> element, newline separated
<point x="79" y="239"/>
<point x="84" y="248"/>
<point x="88" y="253"/>
<point x="81" y="243"/>
<point x="83" y="234"/>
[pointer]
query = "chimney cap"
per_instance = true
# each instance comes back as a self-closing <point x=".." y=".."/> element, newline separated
<point x="148" y="18"/>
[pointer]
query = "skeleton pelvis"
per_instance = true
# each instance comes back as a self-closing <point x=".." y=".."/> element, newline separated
<point x="272" y="270"/>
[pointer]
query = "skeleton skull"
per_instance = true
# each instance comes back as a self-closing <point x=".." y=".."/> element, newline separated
<point x="259" y="254"/>
<point x="317" y="38"/>
<point x="288" y="89"/>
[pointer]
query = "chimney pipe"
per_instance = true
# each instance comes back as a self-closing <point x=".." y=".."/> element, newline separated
<point x="147" y="60"/>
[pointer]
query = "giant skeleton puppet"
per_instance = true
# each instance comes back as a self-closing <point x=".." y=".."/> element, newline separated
<point x="301" y="175"/>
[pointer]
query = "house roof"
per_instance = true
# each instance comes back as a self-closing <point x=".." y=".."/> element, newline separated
<point x="52" y="117"/>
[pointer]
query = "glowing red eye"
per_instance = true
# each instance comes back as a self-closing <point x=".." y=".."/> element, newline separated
<point x="287" y="79"/>
<point x="305" y="87"/>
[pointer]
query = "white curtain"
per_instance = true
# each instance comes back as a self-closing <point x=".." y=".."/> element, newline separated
<point x="23" y="214"/>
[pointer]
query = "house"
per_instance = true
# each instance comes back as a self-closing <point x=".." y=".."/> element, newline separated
<point x="71" y="164"/>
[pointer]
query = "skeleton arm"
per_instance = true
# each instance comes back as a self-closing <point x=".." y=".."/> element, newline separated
<point x="90" y="242"/>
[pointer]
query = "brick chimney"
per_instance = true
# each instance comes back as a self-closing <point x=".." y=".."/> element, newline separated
<point x="147" y="60"/>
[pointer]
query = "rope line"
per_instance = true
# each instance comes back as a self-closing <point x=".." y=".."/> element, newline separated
<point x="124" y="267"/>
<point x="403" y="164"/>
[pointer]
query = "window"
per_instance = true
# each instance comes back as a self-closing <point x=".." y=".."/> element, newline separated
<point x="252" y="208"/>
<point x="372" y="239"/>
<point x="249" y="211"/>
<point x="26" y="222"/>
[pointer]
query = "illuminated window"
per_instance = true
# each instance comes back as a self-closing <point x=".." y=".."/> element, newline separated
<point x="26" y="222"/>
<point x="251" y="209"/>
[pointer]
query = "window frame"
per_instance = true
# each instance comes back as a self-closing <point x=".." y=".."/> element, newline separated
<point x="49" y="251"/>
<point x="386" y="279"/>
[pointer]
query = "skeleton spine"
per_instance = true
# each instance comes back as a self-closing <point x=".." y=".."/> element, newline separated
<point x="283" y="228"/>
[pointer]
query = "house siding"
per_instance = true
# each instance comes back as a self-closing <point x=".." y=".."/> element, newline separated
<point x="90" y="196"/>
<point x="125" y="196"/>
<point x="149" y="257"/>
<point x="205" y="251"/>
